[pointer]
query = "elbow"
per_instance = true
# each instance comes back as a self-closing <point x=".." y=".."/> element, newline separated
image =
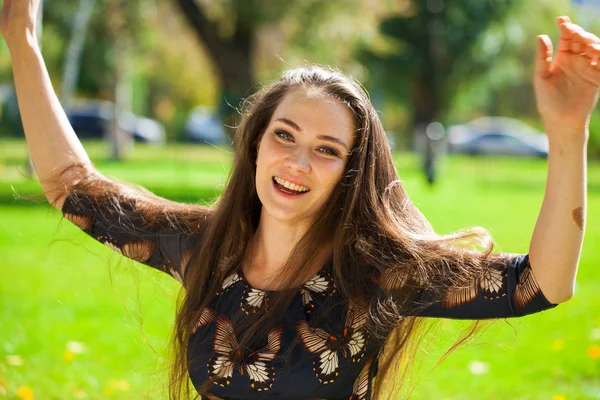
<point x="56" y="187"/>
<point x="560" y="296"/>
<point x="55" y="193"/>
<point x="55" y="200"/>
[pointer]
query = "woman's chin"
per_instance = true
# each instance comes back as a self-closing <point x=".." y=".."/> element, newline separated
<point x="286" y="215"/>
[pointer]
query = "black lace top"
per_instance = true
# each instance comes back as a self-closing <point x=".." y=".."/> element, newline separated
<point x="319" y="348"/>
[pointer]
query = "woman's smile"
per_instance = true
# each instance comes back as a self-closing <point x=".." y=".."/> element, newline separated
<point x="287" y="187"/>
<point x="302" y="155"/>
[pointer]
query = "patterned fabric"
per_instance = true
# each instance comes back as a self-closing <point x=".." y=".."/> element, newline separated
<point x="319" y="349"/>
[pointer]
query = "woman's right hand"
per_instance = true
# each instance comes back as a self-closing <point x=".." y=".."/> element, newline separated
<point x="19" y="19"/>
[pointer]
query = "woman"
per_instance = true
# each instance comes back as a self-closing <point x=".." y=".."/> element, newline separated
<point x="314" y="256"/>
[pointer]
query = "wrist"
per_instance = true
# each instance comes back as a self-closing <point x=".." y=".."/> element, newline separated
<point x="23" y="42"/>
<point x="567" y="137"/>
<point x="567" y="148"/>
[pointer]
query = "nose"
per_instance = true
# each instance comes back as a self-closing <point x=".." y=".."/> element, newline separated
<point x="298" y="160"/>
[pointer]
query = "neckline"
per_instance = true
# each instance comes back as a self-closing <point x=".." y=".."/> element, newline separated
<point x="323" y="271"/>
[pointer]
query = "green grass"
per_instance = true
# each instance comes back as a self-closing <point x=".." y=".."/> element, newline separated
<point x="56" y="285"/>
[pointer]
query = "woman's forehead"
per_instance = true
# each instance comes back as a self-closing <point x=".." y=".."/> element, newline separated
<point x="311" y="110"/>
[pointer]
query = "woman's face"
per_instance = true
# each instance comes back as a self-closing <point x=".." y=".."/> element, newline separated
<point x="302" y="155"/>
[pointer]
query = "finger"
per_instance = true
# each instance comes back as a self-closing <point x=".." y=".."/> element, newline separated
<point x="562" y="19"/>
<point x="567" y="37"/>
<point x="587" y="70"/>
<point x="580" y="41"/>
<point x="593" y="52"/>
<point x="543" y="58"/>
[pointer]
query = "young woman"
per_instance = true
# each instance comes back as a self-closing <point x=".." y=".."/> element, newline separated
<point x="314" y="257"/>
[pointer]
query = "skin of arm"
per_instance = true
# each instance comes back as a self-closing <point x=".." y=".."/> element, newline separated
<point x="558" y="235"/>
<point x="566" y="93"/>
<point x="52" y="142"/>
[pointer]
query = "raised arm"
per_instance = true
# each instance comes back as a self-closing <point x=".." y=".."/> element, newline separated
<point x="135" y="223"/>
<point x="566" y="89"/>
<point x="52" y="142"/>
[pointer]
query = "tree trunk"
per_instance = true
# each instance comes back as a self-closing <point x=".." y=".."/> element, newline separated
<point x="120" y="140"/>
<point x="232" y="57"/>
<point x="74" y="51"/>
<point x="426" y="103"/>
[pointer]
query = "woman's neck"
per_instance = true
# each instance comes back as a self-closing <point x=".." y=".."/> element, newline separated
<point x="270" y="248"/>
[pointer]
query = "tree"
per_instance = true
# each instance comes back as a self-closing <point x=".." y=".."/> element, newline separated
<point x="432" y="55"/>
<point x="228" y="29"/>
<point x="73" y="55"/>
<point x="122" y="22"/>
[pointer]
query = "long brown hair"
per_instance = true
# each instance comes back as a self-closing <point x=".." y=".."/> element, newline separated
<point x="374" y="229"/>
<point x="373" y="226"/>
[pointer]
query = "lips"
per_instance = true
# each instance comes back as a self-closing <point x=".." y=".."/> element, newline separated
<point x="289" y="187"/>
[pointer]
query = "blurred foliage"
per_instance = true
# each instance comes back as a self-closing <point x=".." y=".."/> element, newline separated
<point x="456" y="59"/>
<point x="243" y="37"/>
<point x="506" y="88"/>
<point x="429" y="52"/>
<point x="170" y="75"/>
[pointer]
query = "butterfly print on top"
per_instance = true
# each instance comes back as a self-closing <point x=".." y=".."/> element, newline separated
<point x="252" y="299"/>
<point x="360" y="389"/>
<point x="139" y="251"/>
<point x="208" y="315"/>
<point x="322" y="284"/>
<point x="527" y="288"/>
<point x="229" y="282"/>
<point x="399" y="277"/>
<point x="215" y="353"/>
<point x="351" y="343"/>
<point x="491" y="282"/>
<point x="82" y="221"/>
<point x="257" y="364"/>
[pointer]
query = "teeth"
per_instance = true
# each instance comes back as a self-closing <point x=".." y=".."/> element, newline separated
<point x="290" y="185"/>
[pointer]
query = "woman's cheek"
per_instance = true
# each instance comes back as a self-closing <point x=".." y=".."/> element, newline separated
<point x="333" y="171"/>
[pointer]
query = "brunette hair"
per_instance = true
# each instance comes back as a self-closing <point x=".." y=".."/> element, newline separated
<point x="382" y="244"/>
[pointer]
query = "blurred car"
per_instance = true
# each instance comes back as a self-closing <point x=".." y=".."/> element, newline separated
<point x="205" y="126"/>
<point x="91" y="120"/>
<point x="497" y="136"/>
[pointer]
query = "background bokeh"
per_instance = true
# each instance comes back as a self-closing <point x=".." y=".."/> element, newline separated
<point x="78" y="322"/>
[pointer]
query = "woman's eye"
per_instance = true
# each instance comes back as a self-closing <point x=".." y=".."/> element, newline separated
<point x="329" y="151"/>
<point x="283" y="135"/>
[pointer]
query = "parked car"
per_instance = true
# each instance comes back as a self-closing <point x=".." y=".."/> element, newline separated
<point x="499" y="136"/>
<point x="205" y="126"/>
<point x="91" y="120"/>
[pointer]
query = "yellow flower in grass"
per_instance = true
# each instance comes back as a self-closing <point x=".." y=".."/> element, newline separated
<point x="116" y="385"/>
<point x="593" y="352"/>
<point x="558" y="345"/>
<point x="72" y="349"/>
<point x="14" y="360"/>
<point x="76" y="347"/>
<point x="68" y="356"/>
<point x="25" y="393"/>
<point x="559" y="397"/>
<point x="120" y="384"/>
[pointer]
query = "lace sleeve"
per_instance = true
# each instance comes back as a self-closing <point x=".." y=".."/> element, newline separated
<point x="504" y="288"/>
<point x="148" y="229"/>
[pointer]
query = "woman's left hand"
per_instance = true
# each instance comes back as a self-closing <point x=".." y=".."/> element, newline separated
<point x="566" y="86"/>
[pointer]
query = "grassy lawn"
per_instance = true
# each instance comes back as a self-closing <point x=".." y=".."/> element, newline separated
<point x="78" y="322"/>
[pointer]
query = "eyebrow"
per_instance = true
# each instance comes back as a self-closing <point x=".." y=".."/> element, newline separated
<point x="295" y="126"/>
